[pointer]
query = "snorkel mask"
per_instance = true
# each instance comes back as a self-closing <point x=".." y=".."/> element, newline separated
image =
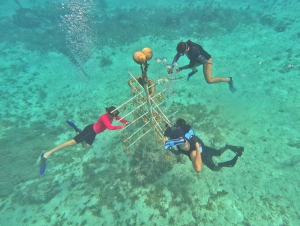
<point x="180" y="123"/>
<point x="112" y="111"/>
<point x="114" y="114"/>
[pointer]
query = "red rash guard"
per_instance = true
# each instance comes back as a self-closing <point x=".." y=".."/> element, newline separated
<point x="104" y="122"/>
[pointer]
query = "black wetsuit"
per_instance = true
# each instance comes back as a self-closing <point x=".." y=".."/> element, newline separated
<point x="196" y="55"/>
<point x="207" y="153"/>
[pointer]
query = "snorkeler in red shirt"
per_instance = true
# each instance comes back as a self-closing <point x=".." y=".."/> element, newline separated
<point x="87" y="136"/>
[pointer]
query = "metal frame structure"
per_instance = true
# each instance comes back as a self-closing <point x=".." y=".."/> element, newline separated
<point x="146" y="112"/>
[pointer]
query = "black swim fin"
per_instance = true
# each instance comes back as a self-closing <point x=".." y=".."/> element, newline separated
<point x="42" y="164"/>
<point x="191" y="74"/>
<point x="231" y="87"/>
<point x="229" y="163"/>
<point x="236" y="149"/>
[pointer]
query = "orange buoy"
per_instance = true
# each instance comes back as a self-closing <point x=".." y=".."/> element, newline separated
<point x="139" y="57"/>
<point x="148" y="52"/>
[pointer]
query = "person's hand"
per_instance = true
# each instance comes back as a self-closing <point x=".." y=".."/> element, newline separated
<point x="167" y="125"/>
<point x="126" y="124"/>
<point x="170" y="70"/>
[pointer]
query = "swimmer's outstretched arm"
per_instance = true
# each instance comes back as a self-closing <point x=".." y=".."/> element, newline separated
<point x="196" y="159"/>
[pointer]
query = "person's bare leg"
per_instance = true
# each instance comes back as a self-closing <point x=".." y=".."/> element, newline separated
<point x="207" y="71"/>
<point x="59" y="147"/>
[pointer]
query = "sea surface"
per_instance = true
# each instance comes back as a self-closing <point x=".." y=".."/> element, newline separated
<point x="70" y="59"/>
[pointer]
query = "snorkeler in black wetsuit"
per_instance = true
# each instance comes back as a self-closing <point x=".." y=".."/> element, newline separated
<point x="187" y="143"/>
<point x="198" y="56"/>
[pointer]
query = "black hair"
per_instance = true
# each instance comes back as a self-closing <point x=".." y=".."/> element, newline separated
<point x="112" y="111"/>
<point x="181" y="47"/>
<point x="176" y="133"/>
<point x="180" y="123"/>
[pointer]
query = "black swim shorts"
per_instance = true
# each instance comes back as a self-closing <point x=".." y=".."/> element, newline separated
<point x="88" y="135"/>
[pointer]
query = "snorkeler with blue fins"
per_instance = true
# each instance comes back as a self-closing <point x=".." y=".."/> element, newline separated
<point x="187" y="143"/>
<point x="198" y="56"/>
<point x="87" y="136"/>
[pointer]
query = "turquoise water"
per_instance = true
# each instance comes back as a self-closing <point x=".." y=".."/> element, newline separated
<point x="70" y="59"/>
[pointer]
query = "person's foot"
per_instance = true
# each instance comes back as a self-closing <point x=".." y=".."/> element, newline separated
<point x="72" y="124"/>
<point x="231" y="87"/>
<point x="229" y="163"/>
<point x="191" y="74"/>
<point x="42" y="164"/>
<point x="236" y="149"/>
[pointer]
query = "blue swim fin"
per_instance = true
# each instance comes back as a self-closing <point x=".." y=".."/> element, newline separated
<point x="173" y="142"/>
<point x="72" y="124"/>
<point x="42" y="164"/>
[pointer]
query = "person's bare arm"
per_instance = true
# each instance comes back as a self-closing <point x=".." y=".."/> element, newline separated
<point x="196" y="159"/>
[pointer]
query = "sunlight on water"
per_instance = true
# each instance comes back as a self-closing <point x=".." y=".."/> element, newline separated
<point x="76" y="22"/>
